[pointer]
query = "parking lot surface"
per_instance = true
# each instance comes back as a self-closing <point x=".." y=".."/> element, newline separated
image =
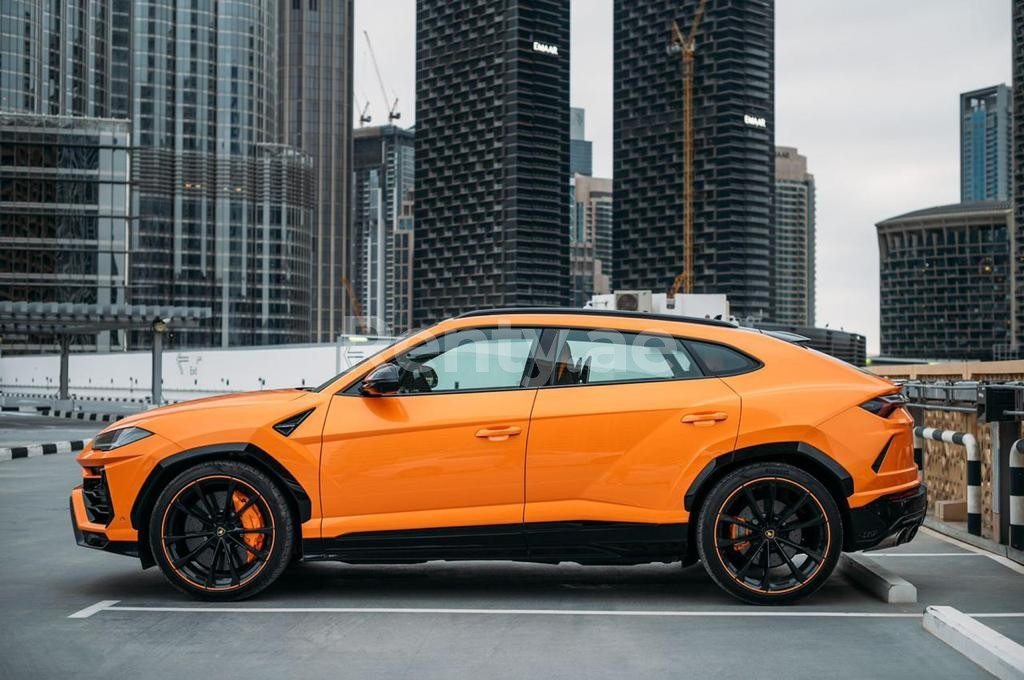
<point x="22" y="429"/>
<point x="466" y="620"/>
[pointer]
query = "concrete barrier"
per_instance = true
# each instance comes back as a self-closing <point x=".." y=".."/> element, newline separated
<point x="996" y="653"/>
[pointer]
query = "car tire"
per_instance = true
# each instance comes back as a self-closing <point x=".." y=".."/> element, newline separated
<point x="222" y="531"/>
<point x="769" y="533"/>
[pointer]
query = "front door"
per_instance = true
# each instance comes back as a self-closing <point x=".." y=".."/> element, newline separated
<point x="442" y="460"/>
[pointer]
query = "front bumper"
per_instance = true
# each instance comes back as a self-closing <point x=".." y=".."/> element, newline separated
<point x="887" y="521"/>
<point x="91" y="535"/>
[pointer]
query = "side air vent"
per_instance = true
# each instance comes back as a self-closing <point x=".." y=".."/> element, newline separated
<point x="286" y="427"/>
<point x="877" y="465"/>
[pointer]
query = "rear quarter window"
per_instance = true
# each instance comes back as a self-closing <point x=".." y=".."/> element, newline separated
<point x="721" y="360"/>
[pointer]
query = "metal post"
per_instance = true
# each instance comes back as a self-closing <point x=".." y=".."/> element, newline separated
<point x="65" y="351"/>
<point x="1016" y="494"/>
<point x="1003" y="436"/>
<point x="158" y="350"/>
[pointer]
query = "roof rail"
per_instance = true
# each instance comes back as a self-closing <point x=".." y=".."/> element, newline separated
<point x="596" y="312"/>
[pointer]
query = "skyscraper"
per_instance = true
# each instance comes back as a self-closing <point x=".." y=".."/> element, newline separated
<point x="793" y="240"/>
<point x="315" y="115"/>
<point x="590" y="248"/>
<point x="734" y="130"/>
<point x="581" y="152"/>
<point x="224" y="212"/>
<point x="383" y="183"/>
<point x="1017" y="156"/>
<point x="68" y="58"/>
<point x="985" y="139"/>
<point x="945" y="282"/>
<point x="64" y="152"/>
<point x="492" y="155"/>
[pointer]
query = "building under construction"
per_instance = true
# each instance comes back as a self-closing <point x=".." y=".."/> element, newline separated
<point x="733" y="98"/>
<point x="945" y="282"/>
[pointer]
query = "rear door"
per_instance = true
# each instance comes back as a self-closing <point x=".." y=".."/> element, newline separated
<point x="624" y="416"/>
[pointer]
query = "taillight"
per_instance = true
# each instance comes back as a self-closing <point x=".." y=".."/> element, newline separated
<point x="885" y="405"/>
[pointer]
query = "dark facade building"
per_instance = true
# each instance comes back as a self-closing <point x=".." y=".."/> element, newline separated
<point x="1017" y="158"/>
<point x="946" y="282"/>
<point x="734" y="130"/>
<point x="793" y="251"/>
<point x="383" y="185"/>
<point x="315" y="114"/>
<point x="492" y="155"/>
<point x="64" y="213"/>
<point x="581" y="150"/>
<point x="64" y="156"/>
<point x="985" y="135"/>
<point x="224" y="212"/>
<point x="849" y="347"/>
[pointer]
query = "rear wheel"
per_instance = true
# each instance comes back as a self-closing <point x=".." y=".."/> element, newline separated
<point x="221" y="530"/>
<point x="769" y="533"/>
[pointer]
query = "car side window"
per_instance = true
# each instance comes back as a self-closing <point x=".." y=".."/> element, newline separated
<point x="722" y="360"/>
<point x="584" y="357"/>
<point x="470" y="359"/>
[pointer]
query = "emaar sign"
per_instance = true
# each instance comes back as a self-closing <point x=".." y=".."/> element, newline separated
<point x="545" y="48"/>
<point x="755" y="121"/>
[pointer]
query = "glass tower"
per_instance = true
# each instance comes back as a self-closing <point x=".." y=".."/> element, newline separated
<point x="224" y="212"/>
<point x="985" y="136"/>
<point x="793" y="240"/>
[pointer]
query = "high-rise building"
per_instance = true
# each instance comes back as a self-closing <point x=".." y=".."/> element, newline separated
<point x="224" y="212"/>
<point x="382" y="186"/>
<point x="492" y="155"/>
<point x="315" y="115"/>
<point x="581" y="150"/>
<point x="945" y="282"/>
<point x="64" y="156"/>
<point x="793" y="240"/>
<point x="67" y="58"/>
<point x="63" y="215"/>
<point x="985" y="138"/>
<point x="1017" y="160"/>
<point x="590" y="240"/>
<point x="734" y="130"/>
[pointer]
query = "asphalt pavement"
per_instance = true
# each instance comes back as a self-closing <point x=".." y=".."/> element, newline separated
<point x="458" y="620"/>
<point x="21" y="429"/>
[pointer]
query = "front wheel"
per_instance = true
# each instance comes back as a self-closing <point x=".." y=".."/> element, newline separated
<point x="769" y="533"/>
<point x="221" y="530"/>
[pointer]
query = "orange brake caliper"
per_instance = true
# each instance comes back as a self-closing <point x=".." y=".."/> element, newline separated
<point x="251" y="519"/>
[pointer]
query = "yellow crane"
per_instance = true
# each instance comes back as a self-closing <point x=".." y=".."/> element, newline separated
<point x="687" y="48"/>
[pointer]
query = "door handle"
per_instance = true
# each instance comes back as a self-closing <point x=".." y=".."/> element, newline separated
<point x="704" y="419"/>
<point x="498" y="434"/>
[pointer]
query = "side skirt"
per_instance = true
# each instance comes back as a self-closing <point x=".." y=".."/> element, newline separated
<point x="584" y="542"/>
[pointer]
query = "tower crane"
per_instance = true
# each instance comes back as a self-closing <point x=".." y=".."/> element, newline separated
<point x="393" y="113"/>
<point x="686" y="47"/>
<point x="364" y="112"/>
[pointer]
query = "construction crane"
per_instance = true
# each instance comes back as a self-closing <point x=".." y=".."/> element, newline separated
<point x="353" y="300"/>
<point x="393" y="113"/>
<point x="364" y="112"/>
<point x="686" y="47"/>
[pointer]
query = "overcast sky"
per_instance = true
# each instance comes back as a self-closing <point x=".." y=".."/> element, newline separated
<point x="867" y="90"/>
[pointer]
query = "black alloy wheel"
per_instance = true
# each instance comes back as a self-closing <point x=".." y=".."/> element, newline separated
<point x="770" y="533"/>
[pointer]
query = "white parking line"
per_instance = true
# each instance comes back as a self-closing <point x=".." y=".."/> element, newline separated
<point x="111" y="605"/>
<point x="956" y="554"/>
<point x="1005" y="561"/>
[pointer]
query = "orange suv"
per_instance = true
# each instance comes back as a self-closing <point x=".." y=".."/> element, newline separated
<point x="524" y="434"/>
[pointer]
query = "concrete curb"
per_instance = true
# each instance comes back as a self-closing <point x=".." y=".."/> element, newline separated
<point x="16" y="452"/>
<point x="877" y="580"/>
<point x="956" y="533"/>
<point x="996" y="653"/>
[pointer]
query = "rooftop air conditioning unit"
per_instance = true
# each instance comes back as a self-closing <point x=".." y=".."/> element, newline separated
<point x="633" y="300"/>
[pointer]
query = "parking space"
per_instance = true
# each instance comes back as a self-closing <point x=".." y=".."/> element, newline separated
<point x="459" y="619"/>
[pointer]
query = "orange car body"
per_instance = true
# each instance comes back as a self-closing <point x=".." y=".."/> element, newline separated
<point x="554" y="457"/>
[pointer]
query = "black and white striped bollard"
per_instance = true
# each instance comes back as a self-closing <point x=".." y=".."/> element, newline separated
<point x="969" y="442"/>
<point x="1017" y="495"/>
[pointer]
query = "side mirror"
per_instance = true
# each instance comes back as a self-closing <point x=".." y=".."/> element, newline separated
<point x="381" y="381"/>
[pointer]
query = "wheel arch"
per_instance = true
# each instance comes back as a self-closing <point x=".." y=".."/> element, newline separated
<point x="808" y="458"/>
<point x="165" y="470"/>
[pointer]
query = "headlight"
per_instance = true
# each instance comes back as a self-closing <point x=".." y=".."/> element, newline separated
<point x="113" y="439"/>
